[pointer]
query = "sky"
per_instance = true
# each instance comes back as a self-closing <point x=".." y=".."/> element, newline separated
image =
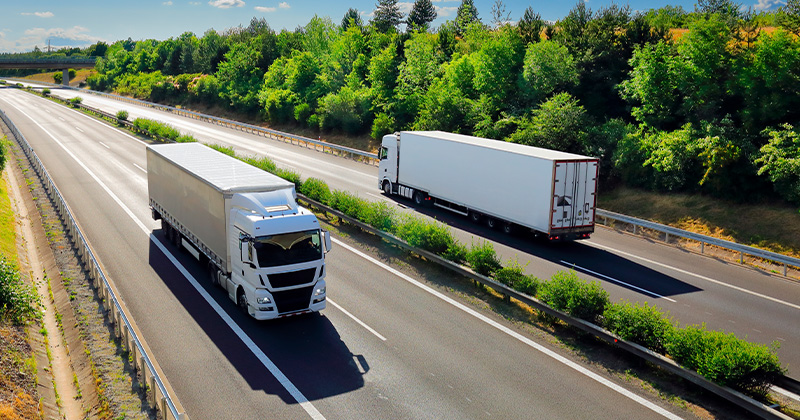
<point x="80" y="23"/>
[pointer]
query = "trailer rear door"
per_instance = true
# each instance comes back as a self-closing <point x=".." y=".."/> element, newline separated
<point x="574" y="189"/>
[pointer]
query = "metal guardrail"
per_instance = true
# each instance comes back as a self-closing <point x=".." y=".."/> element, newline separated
<point x="372" y="158"/>
<point x="743" y="250"/>
<point x="160" y="393"/>
<point x="731" y="395"/>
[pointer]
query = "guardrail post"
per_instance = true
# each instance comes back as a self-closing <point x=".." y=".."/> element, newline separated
<point x="153" y="390"/>
<point x="702" y="247"/>
<point x="666" y="237"/>
<point x="741" y="257"/>
<point x="634" y="229"/>
<point x="784" y="270"/>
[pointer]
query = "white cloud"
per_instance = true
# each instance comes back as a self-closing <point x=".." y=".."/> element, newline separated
<point x="763" y="5"/>
<point x="405" y="7"/>
<point x="445" y="11"/>
<point x="39" y="14"/>
<point x="265" y="9"/>
<point x="194" y="3"/>
<point x="284" y="5"/>
<point x="167" y="3"/>
<point x="77" y="36"/>
<point x="226" y="4"/>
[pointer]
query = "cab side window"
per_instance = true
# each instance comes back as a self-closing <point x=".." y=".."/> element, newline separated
<point x="383" y="153"/>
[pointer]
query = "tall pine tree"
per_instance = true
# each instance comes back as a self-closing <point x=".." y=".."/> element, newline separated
<point x="387" y="15"/>
<point x="467" y="15"/>
<point x="421" y="15"/>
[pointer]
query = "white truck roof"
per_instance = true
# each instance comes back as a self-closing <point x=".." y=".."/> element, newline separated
<point x="502" y="145"/>
<point x="224" y="173"/>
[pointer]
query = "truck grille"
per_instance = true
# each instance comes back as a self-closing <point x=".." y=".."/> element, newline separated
<point x="292" y="278"/>
<point x="293" y="300"/>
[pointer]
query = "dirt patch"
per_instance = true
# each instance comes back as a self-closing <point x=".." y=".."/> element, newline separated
<point x="19" y="398"/>
<point x="80" y="77"/>
<point x="108" y="382"/>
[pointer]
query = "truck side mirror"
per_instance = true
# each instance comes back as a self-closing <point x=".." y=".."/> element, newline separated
<point x="327" y="237"/>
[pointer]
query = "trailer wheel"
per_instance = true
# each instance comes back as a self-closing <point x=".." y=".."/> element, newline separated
<point x="241" y="301"/>
<point x="212" y="274"/>
<point x="387" y="187"/>
<point x="475" y="217"/>
<point x="491" y="222"/>
<point x="508" y="228"/>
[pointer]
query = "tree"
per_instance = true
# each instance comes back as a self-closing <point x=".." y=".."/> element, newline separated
<point x="652" y="86"/>
<point x="351" y="18"/>
<point x="530" y="26"/>
<point x="421" y="15"/>
<point x="548" y="67"/>
<point x="240" y="78"/>
<point x="725" y="8"/>
<point x="499" y="14"/>
<point x="780" y="160"/>
<point x="387" y="15"/>
<point x="790" y="18"/>
<point x="467" y="15"/>
<point x="559" y="124"/>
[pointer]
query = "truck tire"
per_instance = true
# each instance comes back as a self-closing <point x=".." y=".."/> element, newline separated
<point x="387" y="188"/>
<point x="212" y="274"/>
<point x="508" y="228"/>
<point x="491" y="222"/>
<point x="419" y="198"/>
<point x="241" y="301"/>
<point x="475" y="217"/>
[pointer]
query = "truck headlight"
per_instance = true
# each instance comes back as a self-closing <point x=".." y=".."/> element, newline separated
<point x="263" y="300"/>
<point x="319" y="291"/>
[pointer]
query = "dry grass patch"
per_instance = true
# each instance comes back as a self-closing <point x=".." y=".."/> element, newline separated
<point x="774" y="227"/>
<point x="80" y="76"/>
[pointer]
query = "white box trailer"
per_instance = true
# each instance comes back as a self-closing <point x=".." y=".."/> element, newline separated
<point x="506" y="184"/>
<point x="244" y="223"/>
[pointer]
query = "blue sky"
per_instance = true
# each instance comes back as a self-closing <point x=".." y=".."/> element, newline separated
<point x="25" y="24"/>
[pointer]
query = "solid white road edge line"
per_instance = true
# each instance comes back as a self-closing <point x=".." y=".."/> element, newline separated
<point x="357" y="320"/>
<point x="700" y="276"/>
<point x="273" y="369"/>
<point x="515" y="334"/>
<point x="787" y="393"/>
<point x="611" y="279"/>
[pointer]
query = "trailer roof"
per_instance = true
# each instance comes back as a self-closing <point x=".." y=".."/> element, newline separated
<point x="223" y="172"/>
<point x="503" y="145"/>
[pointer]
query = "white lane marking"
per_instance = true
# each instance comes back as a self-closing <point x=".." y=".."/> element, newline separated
<point x="105" y="145"/>
<point x="613" y="280"/>
<point x="379" y="197"/>
<point x="741" y="289"/>
<point x="62" y="119"/>
<point x="140" y="168"/>
<point x="515" y="334"/>
<point x="79" y="129"/>
<point x="273" y="369"/>
<point x="367" y="327"/>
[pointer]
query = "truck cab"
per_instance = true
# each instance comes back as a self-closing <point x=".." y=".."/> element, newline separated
<point x="277" y="256"/>
<point x="387" y="167"/>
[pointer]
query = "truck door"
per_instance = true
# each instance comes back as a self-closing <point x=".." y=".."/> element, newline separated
<point x="573" y="194"/>
<point x="387" y="167"/>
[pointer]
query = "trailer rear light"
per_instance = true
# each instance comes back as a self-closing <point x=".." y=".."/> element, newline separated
<point x="554" y="238"/>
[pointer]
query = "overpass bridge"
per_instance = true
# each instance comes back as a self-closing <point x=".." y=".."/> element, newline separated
<point x="49" y="63"/>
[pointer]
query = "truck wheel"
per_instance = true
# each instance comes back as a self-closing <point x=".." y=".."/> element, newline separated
<point x="508" y="228"/>
<point x="387" y="187"/>
<point x="241" y="301"/>
<point x="419" y="199"/>
<point x="474" y="216"/>
<point x="212" y="274"/>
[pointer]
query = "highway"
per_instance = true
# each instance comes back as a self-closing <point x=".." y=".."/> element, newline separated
<point x="387" y="346"/>
<point x="694" y="289"/>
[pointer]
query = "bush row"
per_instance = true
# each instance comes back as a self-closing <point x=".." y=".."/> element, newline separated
<point x="159" y="129"/>
<point x="18" y="301"/>
<point x="720" y="357"/>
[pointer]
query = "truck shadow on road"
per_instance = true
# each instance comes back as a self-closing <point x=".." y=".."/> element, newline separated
<point x="579" y="256"/>
<point x="307" y="349"/>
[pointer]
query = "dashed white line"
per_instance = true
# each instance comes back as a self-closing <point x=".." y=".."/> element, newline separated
<point x="140" y="168"/>
<point x="613" y="280"/>
<point x="569" y="363"/>
<point x="62" y="119"/>
<point x="106" y="146"/>
<point x="741" y="289"/>
<point x="367" y="327"/>
<point x="79" y="129"/>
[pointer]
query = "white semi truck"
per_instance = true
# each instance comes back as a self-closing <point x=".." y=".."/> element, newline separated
<point x="267" y="252"/>
<point x="507" y="185"/>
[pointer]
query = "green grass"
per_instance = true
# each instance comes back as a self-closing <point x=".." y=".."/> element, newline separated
<point x="771" y="226"/>
<point x="8" y="236"/>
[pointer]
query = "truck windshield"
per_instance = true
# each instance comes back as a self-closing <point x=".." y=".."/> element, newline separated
<point x="288" y="248"/>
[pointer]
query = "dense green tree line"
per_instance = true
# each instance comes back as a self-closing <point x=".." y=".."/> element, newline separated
<point x="711" y="107"/>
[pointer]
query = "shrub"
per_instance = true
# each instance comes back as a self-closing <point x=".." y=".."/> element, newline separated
<point x="346" y="203"/>
<point x="228" y="150"/>
<point x="313" y="121"/>
<point x="264" y="163"/>
<point x="566" y="292"/>
<point x="290" y="176"/>
<point x="456" y="252"/>
<point x="645" y="325"/>
<point x="726" y="359"/>
<point x="45" y="91"/>
<point x="122" y="115"/>
<point x="186" y="138"/>
<point x="430" y="236"/>
<point x="58" y="77"/>
<point x="302" y="112"/>
<point x="316" y="189"/>
<point x="383" y="125"/>
<point x="377" y="214"/>
<point x="483" y="259"/>
<point x="76" y="101"/>
<point x="18" y="300"/>
<point x="513" y="275"/>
